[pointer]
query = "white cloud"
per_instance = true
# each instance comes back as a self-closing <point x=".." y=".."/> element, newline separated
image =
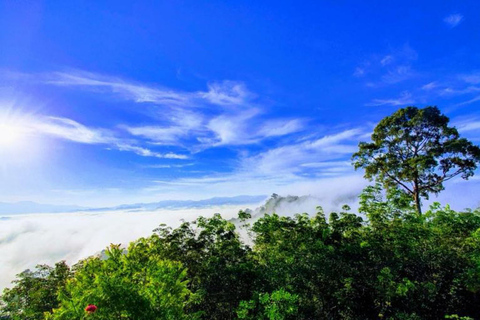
<point x="404" y="99"/>
<point x="288" y="159"/>
<point x="27" y="240"/>
<point x="180" y="124"/>
<point x="453" y="20"/>
<point x="398" y="74"/>
<point x="274" y="128"/>
<point x="468" y="125"/>
<point x="232" y="129"/>
<point x="229" y="128"/>
<point x="149" y="153"/>
<point x="184" y="116"/>
<point x="473" y="100"/>
<point x="241" y="128"/>
<point x="70" y="130"/>
<point x="132" y="91"/>
<point x="227" y="93"/>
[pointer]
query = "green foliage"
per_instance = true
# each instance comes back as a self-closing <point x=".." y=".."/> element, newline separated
<point x="35" y="292"/>
<point x="416" y="150"/>
<point x="394" y="265"/>
<point x="279" y="305"/>
<point x="220" y="268"/>
<point x="135" y="285"/>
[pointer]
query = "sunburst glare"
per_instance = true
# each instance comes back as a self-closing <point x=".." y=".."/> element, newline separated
<point x="10" y="135"/>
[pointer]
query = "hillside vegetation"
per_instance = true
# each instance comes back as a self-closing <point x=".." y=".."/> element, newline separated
<point x="390" y="260"/>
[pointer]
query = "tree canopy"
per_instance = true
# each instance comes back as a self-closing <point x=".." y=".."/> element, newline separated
<point x="415" y="149"/>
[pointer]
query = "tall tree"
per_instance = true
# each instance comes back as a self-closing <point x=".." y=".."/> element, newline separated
<point x="416" y="150"/>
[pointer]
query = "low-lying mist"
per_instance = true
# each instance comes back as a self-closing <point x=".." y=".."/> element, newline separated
<point x="27" y="240"/>
<point x="30" y="239"/>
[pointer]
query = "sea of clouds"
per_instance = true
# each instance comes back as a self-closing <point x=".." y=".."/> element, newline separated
<point x="27" y="240"/>
<point x="30" y="239"/>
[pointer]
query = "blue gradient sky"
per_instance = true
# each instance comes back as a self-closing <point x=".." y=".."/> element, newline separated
<point x="110" y="102"/>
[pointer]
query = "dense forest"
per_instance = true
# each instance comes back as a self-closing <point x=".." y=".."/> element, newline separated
<point x="389" y="260"/>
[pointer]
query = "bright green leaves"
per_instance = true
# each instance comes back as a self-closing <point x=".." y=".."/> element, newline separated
<point x="126" y="285"/>
<point x="279" y="305"/>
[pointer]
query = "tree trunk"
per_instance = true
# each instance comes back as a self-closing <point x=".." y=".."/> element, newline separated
<point x="418" y="203"/>
<point x="416" y="196"/>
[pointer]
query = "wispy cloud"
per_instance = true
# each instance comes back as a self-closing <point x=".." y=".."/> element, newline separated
<point x="224" y="93"/>
<point x="128" y="90"/>
<point x="390" y="68"/>
<point x="404" y="99"/>
<point x="453" y="20"/>
<point x="386" y="60"/>
<point x="177" y="125"/>
<point x="227" y="93"/>
<point x="225" y="114"/>
<point x="149" y="153"/>
<point x="242" y="128"/>
<point x="468" y="125"/>
<point x="397" y="74"/>
<point x="168" y="166"/>
<point x="456" y="86"/>
<point x="470" y="101"/>
<point x="472" y="78"/>
<point x="291" y="158"/>
<point x="70" y="130"/>
<point x="429" y="86"/>
<point x="198" y="132"/>
<point x="359" y="71"/>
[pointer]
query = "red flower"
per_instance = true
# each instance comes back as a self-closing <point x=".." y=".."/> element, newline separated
<point x="91" y="308"/>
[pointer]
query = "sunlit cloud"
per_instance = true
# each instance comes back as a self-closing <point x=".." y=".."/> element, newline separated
<point x="225" y="114"/>
<point x="73" y="131"/>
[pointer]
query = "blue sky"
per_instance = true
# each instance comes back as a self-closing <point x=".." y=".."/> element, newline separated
<point x="109" y="102"/>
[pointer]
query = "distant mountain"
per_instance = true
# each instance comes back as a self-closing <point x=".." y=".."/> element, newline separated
<point x="177" y="204"/>
<point x="278" y="204"/>
<point x="25" y="207"/>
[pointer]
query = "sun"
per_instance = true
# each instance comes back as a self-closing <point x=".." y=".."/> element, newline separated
<point x="10" y="135"/>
